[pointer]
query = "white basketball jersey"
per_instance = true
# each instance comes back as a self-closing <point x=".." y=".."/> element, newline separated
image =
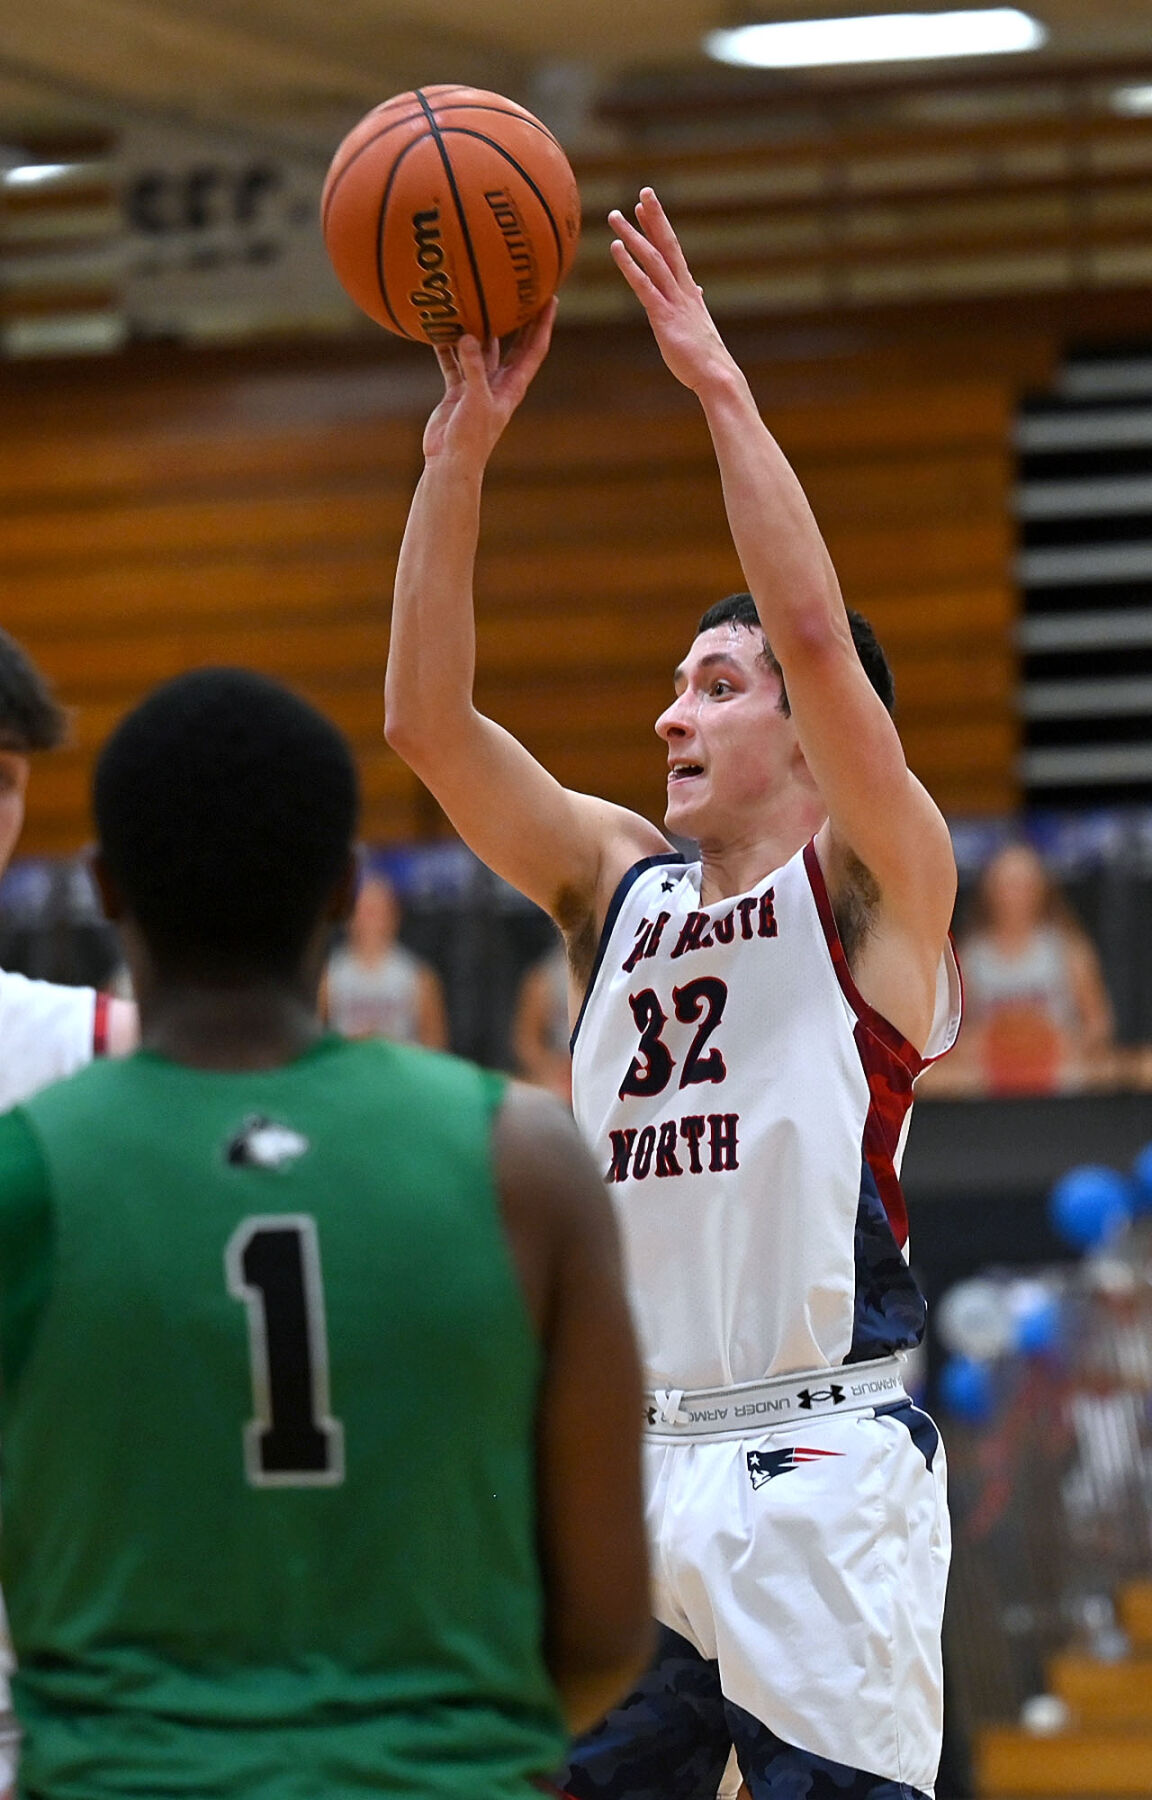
<point x="749" y="1110"/>
<point x="47" y="1031"/>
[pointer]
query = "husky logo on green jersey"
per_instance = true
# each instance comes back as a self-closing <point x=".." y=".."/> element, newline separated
<point x="263" y="1144"/>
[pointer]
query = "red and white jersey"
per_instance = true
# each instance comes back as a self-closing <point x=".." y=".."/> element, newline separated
<point x="47" y="1031"/>
<point x="749" y="1110"/>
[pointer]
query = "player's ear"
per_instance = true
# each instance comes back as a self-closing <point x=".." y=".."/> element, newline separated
<point x="111" y="898"/>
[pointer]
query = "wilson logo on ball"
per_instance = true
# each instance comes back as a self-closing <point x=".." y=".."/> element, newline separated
<point x="434" y="299"/>
<point x="449" y="210"/>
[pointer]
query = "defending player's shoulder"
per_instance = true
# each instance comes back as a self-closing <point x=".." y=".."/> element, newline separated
<point x="24" y="1193"/>
<point x="556" y="1213"/>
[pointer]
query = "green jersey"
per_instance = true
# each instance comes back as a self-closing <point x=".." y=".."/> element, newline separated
<point x="268" y="1418"/>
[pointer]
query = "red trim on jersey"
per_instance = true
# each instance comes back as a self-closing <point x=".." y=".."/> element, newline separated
<point x="876" y="1023"/>
<point x="889" y="1061"/>
<point x="100" y="1021"/>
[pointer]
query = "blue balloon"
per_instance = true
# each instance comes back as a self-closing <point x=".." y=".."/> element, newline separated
<point x="1090" y="1205"/>
<point x="966" y="1389"/>
<point x="1038" y="1329"/>
<point x="1142" y="1180"/>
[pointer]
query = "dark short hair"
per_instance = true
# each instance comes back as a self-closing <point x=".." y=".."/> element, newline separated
<point x="31" y="718"/>
<point x="226" y="809"/>
<point x="740" y="609"/>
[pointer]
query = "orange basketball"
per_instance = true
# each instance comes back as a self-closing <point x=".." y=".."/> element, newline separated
<point x="450" y="210"/>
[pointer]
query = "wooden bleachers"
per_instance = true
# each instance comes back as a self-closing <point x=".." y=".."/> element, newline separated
<point x="1107" y="1748"/>
<point x="159" y="512"/>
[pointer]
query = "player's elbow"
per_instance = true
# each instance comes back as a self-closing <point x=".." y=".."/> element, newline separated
<point x="409" y="728"/>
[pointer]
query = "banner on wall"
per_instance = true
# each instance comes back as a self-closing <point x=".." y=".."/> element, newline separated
<point x="222" y="240"/>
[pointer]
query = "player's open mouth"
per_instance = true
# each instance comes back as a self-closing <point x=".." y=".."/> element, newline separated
<point x="684" y="771"/>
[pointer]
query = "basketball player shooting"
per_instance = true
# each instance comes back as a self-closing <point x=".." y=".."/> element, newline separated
<point x="749" y="1028"/>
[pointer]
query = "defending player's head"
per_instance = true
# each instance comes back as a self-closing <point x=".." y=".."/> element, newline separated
<point x="740" y="609"/>
<point x="226" y="809"/>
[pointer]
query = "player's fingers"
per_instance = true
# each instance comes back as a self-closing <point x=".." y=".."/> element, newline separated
<point x="655" y="224"/>
<point x="643" y="252"/>
<point x="451" y="373"/>
<point x="528" y="351"/>
<point x="538" y="335"/>
<point x="470" y="358"/>
<point x="645" y="290"/>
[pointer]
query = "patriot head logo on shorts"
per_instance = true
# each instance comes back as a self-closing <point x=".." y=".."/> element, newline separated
<point x="765" y="1465"/>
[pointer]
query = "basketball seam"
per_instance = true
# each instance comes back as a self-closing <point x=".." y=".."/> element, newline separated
<point x="382" y="213"/>
<point x="461" y="217"/>
<point x="463" y="131"/>
<point x="502" y="112"/>
<point x="421" y="112"/>
<point x="355" y="158"/>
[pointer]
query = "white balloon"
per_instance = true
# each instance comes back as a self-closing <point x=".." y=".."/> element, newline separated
<point x="1045" y="1714"/>
<point x="975" y="1319"/>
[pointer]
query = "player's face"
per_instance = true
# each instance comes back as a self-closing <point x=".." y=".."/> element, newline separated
<point x="730" y="744"/>
<point x="13" y="786"/>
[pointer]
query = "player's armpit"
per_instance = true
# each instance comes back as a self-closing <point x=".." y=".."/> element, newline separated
<point x="592" y="1543"/>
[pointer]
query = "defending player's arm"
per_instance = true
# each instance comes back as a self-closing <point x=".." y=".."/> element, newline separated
<point x="877" y="809"/>
<point x="564" y="850"/>
<point x="592" y="1544"/>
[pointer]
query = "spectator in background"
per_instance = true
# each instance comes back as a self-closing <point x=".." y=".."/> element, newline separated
<point x="1037" y="1014"/>
<point x="541" y="1027"/>
<point x="374" y="986"/>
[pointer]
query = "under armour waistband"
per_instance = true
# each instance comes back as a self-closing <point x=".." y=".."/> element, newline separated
<point x="677" y="1414"/>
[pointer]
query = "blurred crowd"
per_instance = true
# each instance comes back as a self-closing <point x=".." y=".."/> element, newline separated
<point x="1041" y="1009"/>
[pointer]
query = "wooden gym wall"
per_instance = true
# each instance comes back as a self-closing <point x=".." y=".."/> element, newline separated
<point x="164" y="510"/>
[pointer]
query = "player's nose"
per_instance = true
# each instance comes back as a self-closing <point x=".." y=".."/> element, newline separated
<point x="672" y="721"/>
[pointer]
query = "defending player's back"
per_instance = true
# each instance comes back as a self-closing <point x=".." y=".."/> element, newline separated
<point x="327" y="1261"/>
<point x="314" y="1482"/>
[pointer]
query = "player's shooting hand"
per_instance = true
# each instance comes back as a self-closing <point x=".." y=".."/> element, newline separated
<point x="483" y="388"/>
<point x="649" y="257"/>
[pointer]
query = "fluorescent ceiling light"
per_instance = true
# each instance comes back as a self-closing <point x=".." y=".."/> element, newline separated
<point x="27" y="174"/>
<point x="879" y="37"/>
<point x="1133" y="100"/>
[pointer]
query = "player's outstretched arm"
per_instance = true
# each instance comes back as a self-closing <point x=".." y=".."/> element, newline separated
<point x="557" y="847"/>
<point x="876" y="808"/>
<point x="593" y="1553"/>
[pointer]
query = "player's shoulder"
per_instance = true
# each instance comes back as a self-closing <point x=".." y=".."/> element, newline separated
<point x="621" y="837"/>
<point x="24" y="1181"/>
<point x="88" y="1090"/>
<point x="433" y="1075"/>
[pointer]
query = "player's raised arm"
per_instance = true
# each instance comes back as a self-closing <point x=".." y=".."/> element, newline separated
<point x="563" y="850"/>
<point x="593" y="1554"/>
<point x="876" y="807"/>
